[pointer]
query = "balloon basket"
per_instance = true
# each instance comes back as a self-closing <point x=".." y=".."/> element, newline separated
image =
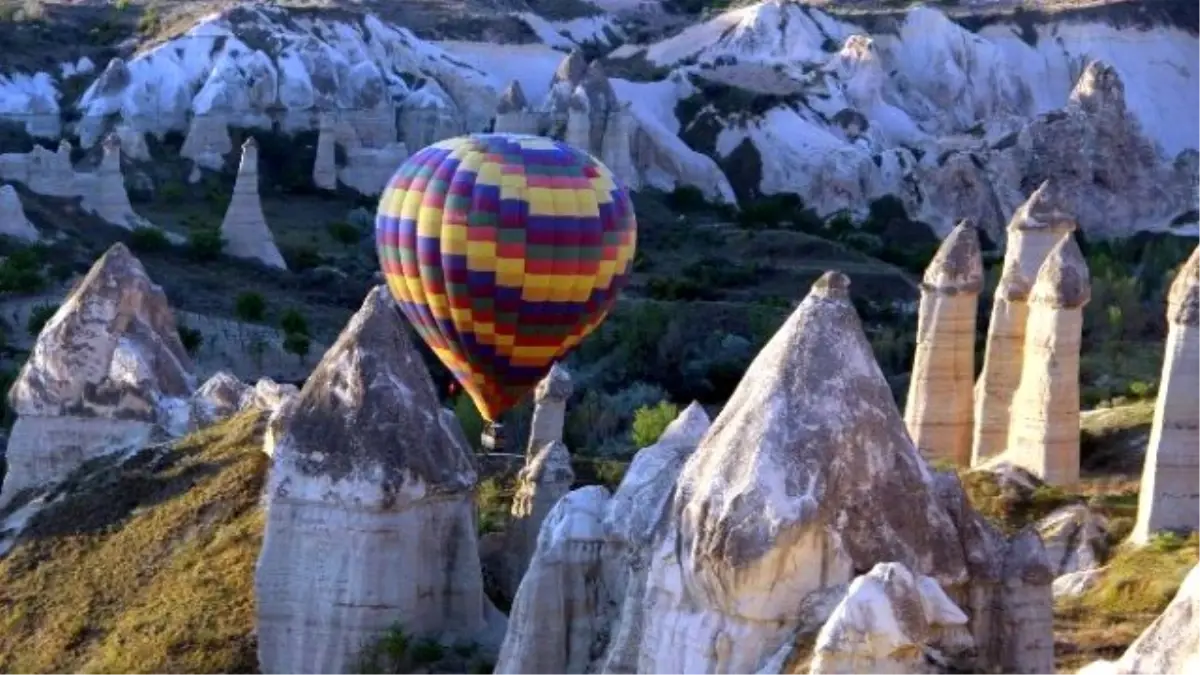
<point x="493" y="437"/>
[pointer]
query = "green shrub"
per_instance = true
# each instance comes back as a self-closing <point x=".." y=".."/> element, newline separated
<point x="344" y="233"/>
<point x="172" y="192"/>
<point x="148" y="240"/>
<point x="650" y="422"/>
<point x="686" y="198"/>
<point x="469" y="419"/>
<point x="302" y="257"/>
<point x="296" y="343"/>
<point x="7" y="416"/>
<point x="38" y="318"/>
<point x="1141" y="389"/>
<point x="205" y="244"/>
<point x="21" y="273"/>
<point x="191" y="339"/>
<point x="293" y="321"/>
<point x="426" y="652"/>
<point x="250" y="306"/>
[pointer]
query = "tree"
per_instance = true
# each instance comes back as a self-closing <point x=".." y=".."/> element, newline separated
<point x="250" y="306"/>
<point x="650" y="422"/>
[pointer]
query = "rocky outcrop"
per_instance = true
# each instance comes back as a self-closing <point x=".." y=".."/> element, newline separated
<point x="633" y="525"/>
<point x="559" y="612"/>
<point x="207" y="142"/>
<point x="939" y="411"/>
<point x="245" y="229"/>
<point x="325" y="164"/>
<point x="268" y="395"/>
<point x="107" y="374"/>
<point x="615" y="152"/>
<point x="1044" y="427"/>
<point x="513" y="114"/>
<point x="1169" y="645"/>
<point x="247" y="350"/>
<point x="886" y="623"/>
<point x="103" y="190"/>
<point x="218" y="398"/>
<point x="368" y="170"/>
<point x="579" y="121"/>
<point x="367" y="478"/>
<point x="812" y="412"/>
<point x="544" y="479"/>
<point x="550" y="408"/>
<point x="1075" y="538"/>
<point x="1035" y="228"/>
<point x="1169" y="498"/>
<point x="13" y="222"/>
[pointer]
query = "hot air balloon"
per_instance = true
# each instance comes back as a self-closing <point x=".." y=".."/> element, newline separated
<point x="504" y="251"/>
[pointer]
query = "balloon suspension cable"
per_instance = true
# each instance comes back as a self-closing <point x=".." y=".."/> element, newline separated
<point x="493" y="437"/>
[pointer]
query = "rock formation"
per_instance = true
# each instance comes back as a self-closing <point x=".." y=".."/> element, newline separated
<point x="207" y="142"/>
<point x="325" y="164"/>
<point x="615" y="152"/>
<point x="107" y="374"/>
<point x="579" y="121"/>
<point x="245" y="228"/>
<point x="813" y="412"/>
<point x="268" y="395"/>
<point x="544" y="479"/>
<point x="133" y="143"/>
<point x="247" y="350"/>
<point x="550" y="408"/>
<point x="1169" y="645"/>
<point x="368" y="170"/>
<point x="634" y="522"/>
<point x="1044" y="427"/>
<point x="103" y="191"/>
<point x="806" y="477"/>
<point x="1035" y="228"/>
<point x="513" y="114"/>
<point x="885" y="624"/>
<point x="564" y="589"/>
<point x="42" y="171"/>
<point x="1075" y="539"/>
<point x="939" y="412"/>
<point x="218" y="398"/>
<point x="367" y="479"/>
<point x="1169" y="499"/>
<point x="13" y="222"/>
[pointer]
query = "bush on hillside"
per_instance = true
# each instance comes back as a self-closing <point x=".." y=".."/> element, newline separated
<point x="38" y="318"/>
<point x="205" y="244"/>
<point x="148" y="240"/>
<point x="21" y="273"/>
<point x="250" y="306"/>
<point x="190" y="338"/>
<point x="293" y="321"/>
<point x="296" y="343"/>
<point x="344" y="233"/>
<point x="301" y="257"/>
<point x="650" y="422"/>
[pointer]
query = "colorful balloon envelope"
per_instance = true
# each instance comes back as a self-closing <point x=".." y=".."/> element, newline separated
<point x="504" y="251"/>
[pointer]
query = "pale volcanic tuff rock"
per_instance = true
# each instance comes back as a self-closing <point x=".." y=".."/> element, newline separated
<point x="44" y="172"/>
<point x="885" y="623"/>
<point x="1075" y="539"/>
<point x="1035" y="228"/>
<point x="1168" y="498"/>
<point x="325" y="163"/>
<point x="218" y="398"/>
<point x="370" y="519"/>
<point x="550" y="408"/>
<point x="107" y="374"/>
<point x="13" y="222"/>
<point x="798" y="482"/>
<point x="1043" y="434"/>
<point x="244" y="228"/>
<point x="633" y="524"/>
<point x="513" y="114"/>
<point x="1169" y="645"/>
<point x="559" y="613"/>
<point x="545" y="478"/>
<point x="103" y="190"/>
<point x="939" y="411"/>
<point x="207" y="141"/>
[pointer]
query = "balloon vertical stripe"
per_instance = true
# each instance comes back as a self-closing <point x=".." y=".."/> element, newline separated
<point x="504" y="251"/>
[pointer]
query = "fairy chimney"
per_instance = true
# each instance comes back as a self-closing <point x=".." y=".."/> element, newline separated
<point x="245" y="228"/>
<point x="13" y="222"/>
<point x="1044" y="429"/>
<point x="1168" y="498"/>
<point x="513" y="114"/>
<point x="1035" y="228"/>
<point x="939" y="413"/>
<point x="579" y="123"/>
<point x="550" y="407"/>
<point x="325" y="164"/>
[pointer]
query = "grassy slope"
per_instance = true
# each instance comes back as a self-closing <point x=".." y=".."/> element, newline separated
<point x="146" y="566"/>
